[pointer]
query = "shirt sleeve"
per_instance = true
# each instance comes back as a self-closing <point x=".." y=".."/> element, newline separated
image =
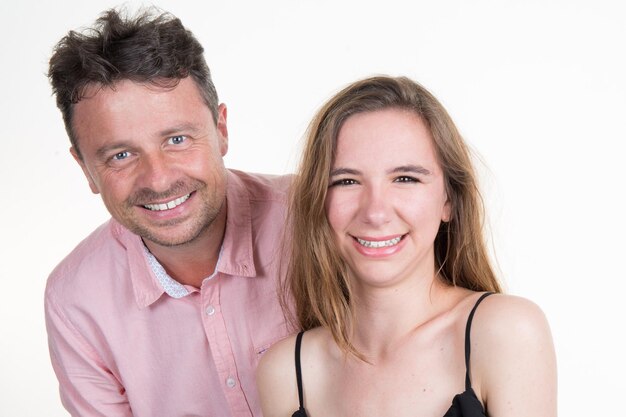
<point x="87" y="387"/>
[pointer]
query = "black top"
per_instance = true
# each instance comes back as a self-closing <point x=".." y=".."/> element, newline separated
<point x="465" y="404"/>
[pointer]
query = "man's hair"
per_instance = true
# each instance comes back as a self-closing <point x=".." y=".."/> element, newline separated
<point x="152" y="47"/>
<point x="317" y="276"/>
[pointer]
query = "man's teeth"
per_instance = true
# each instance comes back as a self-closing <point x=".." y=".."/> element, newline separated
<point x="169" y="205"/>
<point x="380" y="243"/>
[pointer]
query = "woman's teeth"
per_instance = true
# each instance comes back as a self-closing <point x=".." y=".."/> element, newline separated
<point x="379" y="243"/>
<point x="169" y="205"/>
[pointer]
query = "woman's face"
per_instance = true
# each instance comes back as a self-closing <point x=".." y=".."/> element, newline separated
<point x="386" y="197"/>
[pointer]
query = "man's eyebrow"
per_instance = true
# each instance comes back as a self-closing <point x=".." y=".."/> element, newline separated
<point x="342" y="171"/>
<point x="106" y="150"/>
<point x="416" y="169"/>
<point x="178" y="129"/>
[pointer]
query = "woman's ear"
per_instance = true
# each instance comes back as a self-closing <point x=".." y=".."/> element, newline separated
<point x="446" y="213"/>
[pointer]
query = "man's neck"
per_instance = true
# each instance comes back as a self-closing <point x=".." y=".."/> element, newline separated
<point x="192" y="262"/>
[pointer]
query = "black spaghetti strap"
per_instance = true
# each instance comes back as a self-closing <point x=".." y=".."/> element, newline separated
<point x="299" y="371"/>
<point x="468" y="383"/>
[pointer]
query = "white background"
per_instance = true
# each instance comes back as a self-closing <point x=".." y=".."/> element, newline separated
<point x="538" y="88"/>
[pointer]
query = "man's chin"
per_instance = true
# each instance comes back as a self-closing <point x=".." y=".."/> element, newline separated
<point x="175" y="232"/>
<point x="167" y="237"/>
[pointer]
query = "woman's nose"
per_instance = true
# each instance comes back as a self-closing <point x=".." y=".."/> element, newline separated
<point x="376" y="206"/>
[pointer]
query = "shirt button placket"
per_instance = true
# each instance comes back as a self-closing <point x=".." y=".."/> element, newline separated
<point x="221" y="350"/>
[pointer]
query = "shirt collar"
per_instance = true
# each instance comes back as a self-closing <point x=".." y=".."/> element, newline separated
<point x="172" y="287"/>
<point x="237" y="248"/>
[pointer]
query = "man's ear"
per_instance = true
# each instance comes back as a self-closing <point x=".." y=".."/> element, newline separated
<point x="222" y="129"/>
<point x="77" y="158"/>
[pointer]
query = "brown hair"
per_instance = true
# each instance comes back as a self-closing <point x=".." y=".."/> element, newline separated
<point x="317" y="276"/>
<point x="153" y="47"/>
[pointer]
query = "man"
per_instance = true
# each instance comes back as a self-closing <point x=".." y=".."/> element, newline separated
<point x="165" y="309"/>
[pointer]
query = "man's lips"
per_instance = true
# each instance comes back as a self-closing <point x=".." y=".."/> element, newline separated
<point x="167" y="205"/>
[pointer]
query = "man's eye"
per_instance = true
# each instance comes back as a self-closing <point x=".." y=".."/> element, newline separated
<point x="343" y="182"/>
<point x="177" y="140"/>
<point x="120" y="155"/>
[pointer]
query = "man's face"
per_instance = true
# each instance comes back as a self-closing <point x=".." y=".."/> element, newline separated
<point x="155" y="157"/>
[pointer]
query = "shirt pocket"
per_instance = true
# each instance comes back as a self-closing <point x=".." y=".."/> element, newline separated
<point x="268" y="331"/>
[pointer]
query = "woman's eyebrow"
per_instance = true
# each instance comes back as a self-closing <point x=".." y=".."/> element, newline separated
<point x="342" y="171"/>
<point x="416" y="169"/>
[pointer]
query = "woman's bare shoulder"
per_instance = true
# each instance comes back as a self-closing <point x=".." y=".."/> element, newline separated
<point x="276" y="379"/>
<point x="281" y="354"/>
<point x="276" y="373"/>
<point x="512" y="357"/>
<point x="502" y="318"/>
<point x="278" y="354"/>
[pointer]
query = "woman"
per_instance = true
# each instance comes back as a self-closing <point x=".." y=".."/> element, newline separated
<point x="388" y="268"/>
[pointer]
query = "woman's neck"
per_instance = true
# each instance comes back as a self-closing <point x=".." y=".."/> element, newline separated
<point x="387" y="317"/>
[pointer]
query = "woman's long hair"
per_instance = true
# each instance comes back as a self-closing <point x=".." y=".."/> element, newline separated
<point x="317" y="277"/>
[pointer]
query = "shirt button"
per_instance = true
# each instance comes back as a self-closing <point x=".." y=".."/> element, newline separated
<point x="230" y="382"/>
<point x="210" y="310"/>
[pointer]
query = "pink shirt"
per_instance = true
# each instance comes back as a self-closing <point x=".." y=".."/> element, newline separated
<point x="121" y="346"/>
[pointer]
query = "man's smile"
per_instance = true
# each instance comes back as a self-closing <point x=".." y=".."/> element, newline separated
<point x="168" y="205"/>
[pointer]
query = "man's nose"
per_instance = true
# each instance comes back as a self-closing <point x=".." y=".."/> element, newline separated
<point x="155" y="172"/>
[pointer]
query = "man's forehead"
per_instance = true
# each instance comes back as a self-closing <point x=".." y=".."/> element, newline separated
<point x="140" y="94"/>
<point x="93" y="88"/>
<point x="127" y="107"/>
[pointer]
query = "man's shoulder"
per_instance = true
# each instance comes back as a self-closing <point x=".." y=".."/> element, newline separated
<point x="261" y="187"/>
<point x="89" y="255"/>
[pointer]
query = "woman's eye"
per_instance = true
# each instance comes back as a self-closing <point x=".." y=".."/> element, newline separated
<point x="343" y="181"/>
<point x="405" y="178"/>
<point x="120" y="156"/>
<point x="177" y="140"/>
